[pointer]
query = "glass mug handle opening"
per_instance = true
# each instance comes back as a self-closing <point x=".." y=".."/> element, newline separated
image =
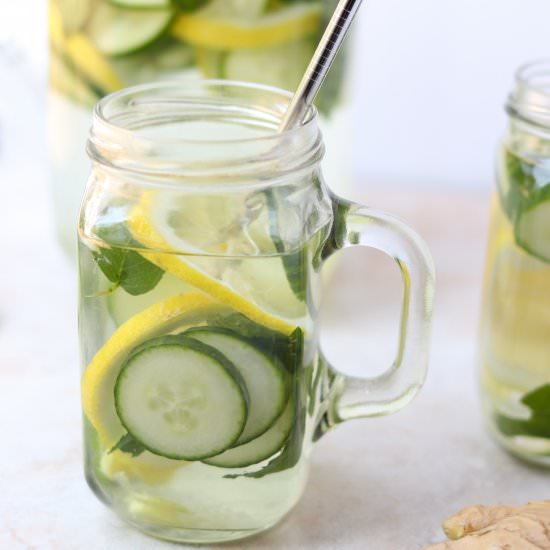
<point x="356" y="397"/>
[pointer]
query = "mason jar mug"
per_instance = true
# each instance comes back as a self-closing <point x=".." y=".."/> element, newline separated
<point x="514" y="345"/>
<point x="202" y="235"/>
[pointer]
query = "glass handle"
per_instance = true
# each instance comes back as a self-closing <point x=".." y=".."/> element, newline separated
<point x="353" y="397"/>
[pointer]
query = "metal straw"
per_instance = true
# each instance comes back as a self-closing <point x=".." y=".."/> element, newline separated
<point x="320" y="63"/>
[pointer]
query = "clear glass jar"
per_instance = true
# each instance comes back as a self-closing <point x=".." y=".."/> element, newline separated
<point x="514" y="350"/>
<point x="99" y="46"/>
<point x="201" y="239"/>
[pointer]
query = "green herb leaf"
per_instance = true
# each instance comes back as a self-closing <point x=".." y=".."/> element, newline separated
<point x="538" y="425"/>
<point x="127" y="444"/>
<point x="295" y="263"/>
<point x="339" y="230"/>
<point x="124" y="267"/>
<point x="521" y="183"/>
<point x="138" y="274"/>
<point x="538" y="400"/>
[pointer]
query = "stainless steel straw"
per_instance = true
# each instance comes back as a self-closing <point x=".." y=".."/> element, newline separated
<point x="320" y="63"/>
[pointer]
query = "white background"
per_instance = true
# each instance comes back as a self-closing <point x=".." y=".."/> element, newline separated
<point x="430" y="80"/>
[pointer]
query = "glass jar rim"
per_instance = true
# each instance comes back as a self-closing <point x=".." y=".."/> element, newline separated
<point x="530" y="99"/>
<point x="123" y="132"/>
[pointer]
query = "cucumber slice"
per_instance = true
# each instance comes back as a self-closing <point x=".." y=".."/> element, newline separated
<point x="260" y="448"/>
<point x="122" y="305"/>
<point x="181" y="399"/>
<point x="281" y="66"/>
<point x="532" y="227"/>
<point x="266" y="380"/>
<point x="140" y="4"/>
<point x="118" y="31"/>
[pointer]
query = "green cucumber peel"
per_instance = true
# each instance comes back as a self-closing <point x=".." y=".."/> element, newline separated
<point x="123" y="267"/>
<point x="273" y="343"/>
<point x="538" y="425"/>
<point x="292" y="449"/>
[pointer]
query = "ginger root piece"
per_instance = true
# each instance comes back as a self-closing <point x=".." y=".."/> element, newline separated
<point x="498" y="528"/>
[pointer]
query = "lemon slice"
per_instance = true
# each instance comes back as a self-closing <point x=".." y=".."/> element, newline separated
<point x="90" y="63"/>
<point x="100" y="375"/>
<point x="55" y="25"/>
<point x="211" y="29"/>
<point x="148" y="225"/>
<point x="146" y="467"/>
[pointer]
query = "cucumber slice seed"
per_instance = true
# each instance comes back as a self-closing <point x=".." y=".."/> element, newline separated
<point x="532" y="227"/>
<point x="181" y="399"/>
<point x="260" y="448"/>
<point x="265" y="378"/>
<point x="117" y="31"/>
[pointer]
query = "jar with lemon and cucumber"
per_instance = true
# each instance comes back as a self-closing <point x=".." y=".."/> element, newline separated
<point x="200" y="246"/>
<point x="99" y="46"/>
<point x="514" y="349"/>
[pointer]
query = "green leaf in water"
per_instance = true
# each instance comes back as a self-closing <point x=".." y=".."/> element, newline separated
<point x="294" y="263"/>
<point x="123" y="267"/>
<point x="127" y="444"/>
<point x="538" y="425"/>
<point x="538" y="400"/>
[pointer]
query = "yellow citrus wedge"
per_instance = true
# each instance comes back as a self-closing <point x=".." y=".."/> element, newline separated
<point x="90" y="63"/>
<point x="55" y="25"/>
<point x="149" y="234"/>
<point x="211" y="29"/>
<point x="146" y="467"/>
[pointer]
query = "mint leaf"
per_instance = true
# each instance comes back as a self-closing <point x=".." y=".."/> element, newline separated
<point x="127" y="444"/>
<point x="339" y="230"/>
<point x="295" y="263"/>
<point x="522" y="183"/>
<point x="538" y="400"/>
<point x="139" y="275"/>
<point x="123" y="267"/>
<point x="538" y="425"/>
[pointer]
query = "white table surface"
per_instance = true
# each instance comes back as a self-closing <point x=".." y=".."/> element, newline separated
<point x="380" y="484"/>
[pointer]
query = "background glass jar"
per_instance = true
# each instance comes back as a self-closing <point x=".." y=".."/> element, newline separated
<point x="202" y="236"/>
<point x="99" y="46"/>
<point x="514" y="351"/>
